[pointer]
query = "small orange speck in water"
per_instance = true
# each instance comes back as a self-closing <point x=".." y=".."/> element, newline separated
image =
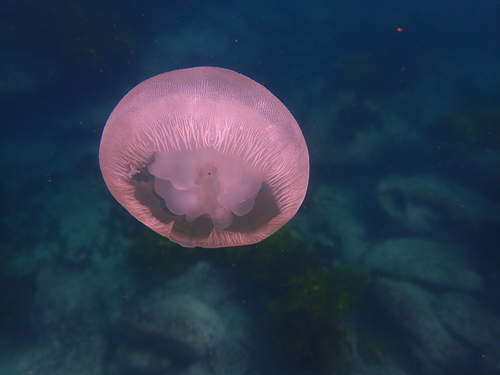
<point x="399" y="29"/>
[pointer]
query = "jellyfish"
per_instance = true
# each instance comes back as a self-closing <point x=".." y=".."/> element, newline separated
<point x="206" y="157"/>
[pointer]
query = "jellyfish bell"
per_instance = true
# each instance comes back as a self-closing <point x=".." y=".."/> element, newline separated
<point x="206" y="157"/>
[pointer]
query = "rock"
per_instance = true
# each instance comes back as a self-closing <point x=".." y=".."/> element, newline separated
<point x="412" y="308"/>
<point x="194" y="321"/>
<point x="163" y="332"/>
<point x="424" y="261"/>
<point x="465" y="317"/>
<point x="334" y="209"/>
<point x="349" y="131"/>
<point x="203" y="282"/>
<point x="427" y="203"/>
<point x="423" y="364"/>
<point x="138" y="347"/>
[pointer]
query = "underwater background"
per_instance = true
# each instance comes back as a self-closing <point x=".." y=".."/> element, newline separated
<point x="391" y="266"/>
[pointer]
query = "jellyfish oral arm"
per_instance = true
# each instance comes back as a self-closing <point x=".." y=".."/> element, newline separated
<point x="205" y="182"/>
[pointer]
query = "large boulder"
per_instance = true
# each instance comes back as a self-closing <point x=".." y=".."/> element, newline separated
<point x="468" y="319"/>
<point x="437" y="350"/>
<point x="424" y="261"/>
<point x="431" y="203"/>
<point x="163" y="332"/>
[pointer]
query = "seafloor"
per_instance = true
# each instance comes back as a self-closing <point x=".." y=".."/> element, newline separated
<point x="398" y="104"/>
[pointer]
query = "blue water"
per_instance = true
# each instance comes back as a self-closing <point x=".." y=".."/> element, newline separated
<point x="398" y="103"/>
